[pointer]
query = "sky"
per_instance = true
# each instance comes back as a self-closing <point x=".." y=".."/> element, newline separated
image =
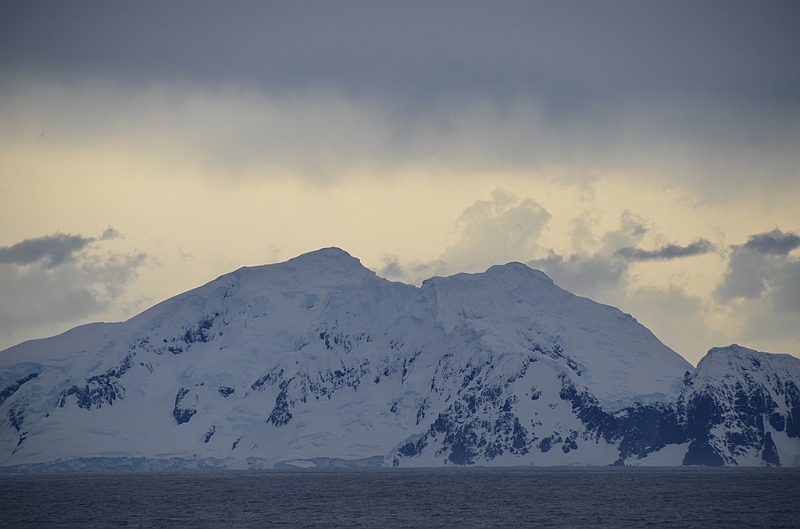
<point x="643" y="154"/>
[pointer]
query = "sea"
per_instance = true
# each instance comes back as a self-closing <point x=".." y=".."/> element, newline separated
<point x="408" y="498"/>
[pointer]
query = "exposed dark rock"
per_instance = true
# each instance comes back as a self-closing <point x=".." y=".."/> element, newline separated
<point x="211" y="431"/>
<point x="548" y="442"/>
<point x="100" y="389"/>
<point x="280" y="414"/>
<point x="201" y="332"/>
<point x="16" y="416"/>
<point x="181" y="414"/>
<point x="701" y="453"/>
<point x="10" y="390"/>
<point x="770" y="452"/>
<point x="793" y="403"/>
<point x="411" y="449"/>
<point x="270" y="378"/>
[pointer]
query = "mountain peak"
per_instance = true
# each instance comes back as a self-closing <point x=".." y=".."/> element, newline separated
<point x="313" y="268"/>
<point x="326" y="262"/>
<point x="720" y="359"/>
<point x="519" y="269"/>
<point x="327" y="257"/>
<point x="330" y="252"/>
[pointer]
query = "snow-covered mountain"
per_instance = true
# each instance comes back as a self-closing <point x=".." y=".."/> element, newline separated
<point x="319" y="362"/>
<point x="742" y="407"/>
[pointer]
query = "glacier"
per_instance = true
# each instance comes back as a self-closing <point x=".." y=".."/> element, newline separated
<point x="318" y="362"/>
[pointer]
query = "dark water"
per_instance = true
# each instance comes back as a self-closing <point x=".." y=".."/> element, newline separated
<point x="389" y="499"/>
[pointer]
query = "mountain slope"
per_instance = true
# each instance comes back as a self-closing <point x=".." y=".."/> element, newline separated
<point x="317" y="361"/>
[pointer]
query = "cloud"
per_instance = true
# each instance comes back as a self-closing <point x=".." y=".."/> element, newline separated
<point x="773" y="243"/>
<point x="677" y="318"/>
<point x="52" y="250"/>
<point x="392" y="268"/>
<point x="499" y="230"/>
<point x="595" y="276"/>
<point x="667" y="252"/>
<point x="763" y="268"/>
<point x="60" y="279"/>
<point x="109" y="233"/>
<point x="507" y="228"/>
<point x="414" y="272"/>
<point x="785" y="295"/>
<point x="758" y="323"/>
<point x="598" y="273"/>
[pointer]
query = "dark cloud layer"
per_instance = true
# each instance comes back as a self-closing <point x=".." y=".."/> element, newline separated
<point x="703" y="90"/>
<point x="666" y="253"/>
<point x="574" y="55"/>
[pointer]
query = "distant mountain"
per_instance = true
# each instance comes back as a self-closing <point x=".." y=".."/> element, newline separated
<point x="319" y="362"/>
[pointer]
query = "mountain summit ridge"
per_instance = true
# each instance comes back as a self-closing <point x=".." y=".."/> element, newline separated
<point x="318" y="361"/>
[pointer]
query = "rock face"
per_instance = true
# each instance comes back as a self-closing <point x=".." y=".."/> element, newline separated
<point x="319" y="362"/>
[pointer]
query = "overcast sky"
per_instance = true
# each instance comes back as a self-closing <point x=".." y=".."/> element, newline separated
<point x="644" y="154"/>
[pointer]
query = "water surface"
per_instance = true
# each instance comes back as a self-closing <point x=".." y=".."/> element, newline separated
<point x="404" y="498"/>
